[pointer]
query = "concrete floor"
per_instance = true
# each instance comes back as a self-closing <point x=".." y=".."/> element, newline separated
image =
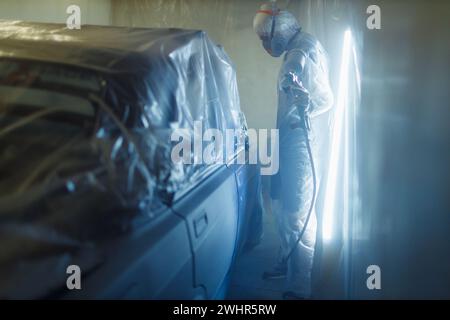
<point x="246" y="280"/>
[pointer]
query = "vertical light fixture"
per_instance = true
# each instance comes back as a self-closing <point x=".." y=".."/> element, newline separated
<point x="337" y="143"/>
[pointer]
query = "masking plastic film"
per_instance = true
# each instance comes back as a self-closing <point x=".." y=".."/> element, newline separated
<point x="86" y="119"/>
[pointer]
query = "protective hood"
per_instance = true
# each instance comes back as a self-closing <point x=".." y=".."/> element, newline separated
<point x="275" y="28"/>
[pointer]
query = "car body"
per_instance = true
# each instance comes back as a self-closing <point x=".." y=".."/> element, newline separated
<point x="87" y="179"/>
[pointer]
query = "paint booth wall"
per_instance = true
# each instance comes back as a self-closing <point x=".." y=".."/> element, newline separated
<point x="92" y="11"/>
<point x="401" y="220"/>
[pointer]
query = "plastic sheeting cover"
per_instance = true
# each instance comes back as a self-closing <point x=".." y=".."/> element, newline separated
<point x="85" y="123"/>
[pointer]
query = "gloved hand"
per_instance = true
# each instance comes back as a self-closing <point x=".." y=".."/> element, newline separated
<point x="302" y="100"/>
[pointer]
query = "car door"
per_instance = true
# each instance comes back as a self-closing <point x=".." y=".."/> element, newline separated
<point x="154" y="261"/>
<point x="211" y="214"/>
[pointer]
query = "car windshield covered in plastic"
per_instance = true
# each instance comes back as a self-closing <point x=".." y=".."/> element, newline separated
<point x="44" y="115"/>
<point x="88" y="116"/>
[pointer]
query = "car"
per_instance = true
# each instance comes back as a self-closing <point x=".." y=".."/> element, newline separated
<point x="87" y="179"/>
